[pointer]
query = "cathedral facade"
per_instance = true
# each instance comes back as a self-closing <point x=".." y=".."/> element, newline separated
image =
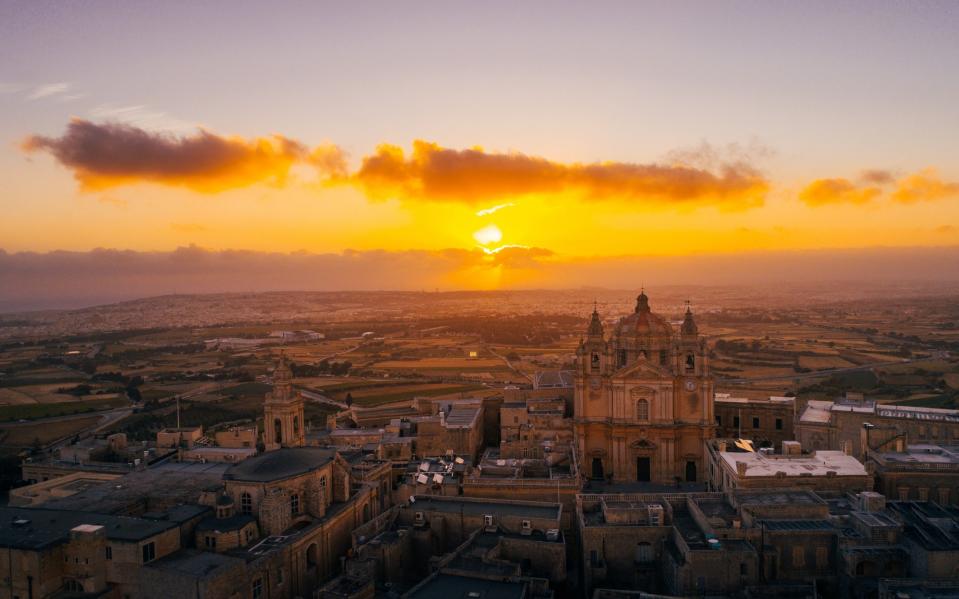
<point x="643" y="402"/>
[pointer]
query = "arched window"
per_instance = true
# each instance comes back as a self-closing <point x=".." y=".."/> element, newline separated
<point x="295" y="504"/>
<point x="277" y="431"/>
<point x="690" y="362"/>
<point x="594" y="361"/>
<point x="642" y="410"/>
<point x="296" y="425"/>
<point x="311" y="556"/>
<point x="246" y="503"/>
<point x="366" y="512"/>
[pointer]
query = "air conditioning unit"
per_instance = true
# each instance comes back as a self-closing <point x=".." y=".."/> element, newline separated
<point x="655" y="515"/>
<point x="552" y="534"/>
<point x="527" y="528"/>
<point x="418" y="519"/>
<point x="488" y="522"/>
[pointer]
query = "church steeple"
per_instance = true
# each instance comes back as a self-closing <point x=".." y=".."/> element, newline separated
<point x="595" y="324"/>
<point x="283" y="411"/>
<point x="689" y="325"/>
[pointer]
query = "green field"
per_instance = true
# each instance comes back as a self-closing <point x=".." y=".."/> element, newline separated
<point x="31" y="411"/>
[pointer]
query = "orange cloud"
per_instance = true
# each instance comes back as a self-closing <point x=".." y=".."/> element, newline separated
<point x="112" y="154"/>
<point x="822" y="192"/>
<point x="434" y="173"/>
<point x="924" y="186"/>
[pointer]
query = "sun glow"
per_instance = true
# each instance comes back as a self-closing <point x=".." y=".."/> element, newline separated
<point x="488" y="234"/>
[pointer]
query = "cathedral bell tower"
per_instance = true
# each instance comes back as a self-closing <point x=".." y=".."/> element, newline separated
<point x="283" y="411"/>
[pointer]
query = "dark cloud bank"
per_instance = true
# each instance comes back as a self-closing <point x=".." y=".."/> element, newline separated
<point x="34" y="281"/>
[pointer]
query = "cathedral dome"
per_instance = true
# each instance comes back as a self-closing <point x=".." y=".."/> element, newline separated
<point x="643" y="321"/>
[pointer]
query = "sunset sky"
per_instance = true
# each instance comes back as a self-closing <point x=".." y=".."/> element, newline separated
<point x="521" y="133"/>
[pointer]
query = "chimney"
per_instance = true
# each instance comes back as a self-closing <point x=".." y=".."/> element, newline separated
<point x="722" y="446"/>
<point x="741" y="468"/>
<point x="847" y="447"/>
<point x="900" y="445"/>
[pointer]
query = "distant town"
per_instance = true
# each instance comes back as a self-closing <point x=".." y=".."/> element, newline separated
<point x="531" y="444"/>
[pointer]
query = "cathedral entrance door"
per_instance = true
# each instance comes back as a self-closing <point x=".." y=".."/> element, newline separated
<point x="598" y="468"/>
<point x="690" y="472"/>
<point x="642" y="469"/>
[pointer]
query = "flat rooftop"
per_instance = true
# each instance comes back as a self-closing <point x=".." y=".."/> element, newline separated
<point x="921" y="454"/>
<point x="448" y="586"/>
<point x="38" y="528"/>
<point x="193" y="563"/>
<point x="815" y="464"/>
<point x="452" y="505"/>
<point x="163" y="485"/>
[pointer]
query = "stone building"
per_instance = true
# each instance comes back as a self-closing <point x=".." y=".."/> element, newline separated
<point x="922" y="472"/>
<point x="831" y="472"/>
<point x="838" y="425"/>
<point x="44" y="552"/>
<point x="643" y="399"/>
<point x="787" y="543"/>
<point x="530" y="428"/>
<point x="766" y="421"/>
<point x="406" y="548"/>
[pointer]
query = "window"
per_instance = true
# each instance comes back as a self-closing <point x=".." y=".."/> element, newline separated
<point x="296" y="425"/>
<point x="903" y="493"/>
<point x="735" y="421"/>
<point x="311" y="556"/>
<point x="642" y="410"/>
<point x="593" y="558"/>
<point x="690" y="362"/>
<point x="109" y="552"/>
<point x="210" y="542"/>
<point x="594" y="362"/>
<point x="822" y="557"/>
<point x="149" y="552"/>
<point x="923" y="494"/>
<point x="246" y="503"/>
<point x="258" y="588"/>
<point x="621" y="358"/>
<point x="719" y="420"/>
<point x="323" y="481"/>
<point x="755" y="422"/>
<point x="295" y="504"/>
<point x="249" y="535"/>
<point x="279" y="576"/>
<point x="943" y="496"/>
<point x="799" y="557"/>
<point x="72" y="586"/>
<point x="779" y="424"/>
<point x="644" y="553"/>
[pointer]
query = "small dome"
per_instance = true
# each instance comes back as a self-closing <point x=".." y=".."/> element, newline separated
<point x="224" y="500"/>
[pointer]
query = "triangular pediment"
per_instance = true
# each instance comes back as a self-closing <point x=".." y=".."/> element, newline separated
<point x="641" y="369"/>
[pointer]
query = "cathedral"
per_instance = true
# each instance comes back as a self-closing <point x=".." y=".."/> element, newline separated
<point x="643" y="399"/>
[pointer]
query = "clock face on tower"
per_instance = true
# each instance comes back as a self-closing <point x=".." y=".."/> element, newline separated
<point x="690" y="385"/>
